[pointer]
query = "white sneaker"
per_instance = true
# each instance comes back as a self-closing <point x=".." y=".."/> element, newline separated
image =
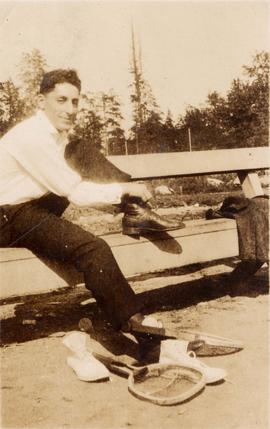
<point x="88" y="368"/>
<point x="85" y="365"/>
<point x="76" y="342"/>
<point x="175" y="351"/>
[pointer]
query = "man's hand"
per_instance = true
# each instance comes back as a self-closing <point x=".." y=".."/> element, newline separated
<point x="137" y="190"/>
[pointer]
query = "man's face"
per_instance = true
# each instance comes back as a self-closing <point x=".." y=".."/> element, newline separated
<point x="61" y="105"/>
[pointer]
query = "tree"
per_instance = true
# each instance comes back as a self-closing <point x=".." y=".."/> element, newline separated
<point x="150" y="135"/>
<point x="145" y="108"/>
<point x="248" y="105"/>
<point x="170" y="135"/>
<point x="215" y="116"/>
<point x="240" y="119"/>
<point x="192" y="122"/>
<point x="31" y="69"/>
<point x="11" y="106"/>
<point x="89" y="124"/>
<point x="113" y="136"/>
<point x="18" y="102"/>
<point x="258" y="74"/>
<point x="106" y="128"/>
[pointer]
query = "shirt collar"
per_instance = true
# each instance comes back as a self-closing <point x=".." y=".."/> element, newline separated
<point x="45" y="123"/>
<point x="48" y="127"/>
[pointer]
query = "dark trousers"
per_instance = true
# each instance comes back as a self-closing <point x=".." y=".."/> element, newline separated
<point x="37" y="226"/>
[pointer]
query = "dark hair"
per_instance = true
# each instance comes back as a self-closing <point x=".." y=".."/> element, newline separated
<point x="54" y="77"/>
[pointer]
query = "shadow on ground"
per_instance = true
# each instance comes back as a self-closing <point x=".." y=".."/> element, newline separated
<point x="47" y="314"/>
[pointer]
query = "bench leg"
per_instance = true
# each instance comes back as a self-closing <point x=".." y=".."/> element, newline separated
<point x="251" y="184"/>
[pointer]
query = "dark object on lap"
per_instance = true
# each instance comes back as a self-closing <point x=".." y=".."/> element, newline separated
<point x="91" y="164"/>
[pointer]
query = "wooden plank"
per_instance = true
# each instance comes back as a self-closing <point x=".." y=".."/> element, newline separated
<point x="192" y="163"/>
<point x="200" y="241"/>
<point x="158" y="255"/>
<point x="8" y="254"/>
<point x="193" y="227"/>
<point x="27" y="276"/>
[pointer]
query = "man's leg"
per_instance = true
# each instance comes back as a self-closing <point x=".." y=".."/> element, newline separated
<point x="53" y="203"/>
<point x="44" y="233"/>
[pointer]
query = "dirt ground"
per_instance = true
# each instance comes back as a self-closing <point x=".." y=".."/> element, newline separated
<point x="39" y="390"/>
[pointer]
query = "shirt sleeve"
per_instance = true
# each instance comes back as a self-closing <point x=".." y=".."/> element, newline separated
<point x="46" y="164"/>
<point x="87" y="193"/>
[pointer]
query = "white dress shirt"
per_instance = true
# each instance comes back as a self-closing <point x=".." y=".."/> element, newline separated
<point x="32" y="163"/>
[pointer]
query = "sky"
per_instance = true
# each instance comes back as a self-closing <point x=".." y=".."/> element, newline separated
<point x="188" y="49"/>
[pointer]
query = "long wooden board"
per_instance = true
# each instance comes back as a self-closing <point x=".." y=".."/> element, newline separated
<point x="22" y="273"/>
<point x="174" y="164"/>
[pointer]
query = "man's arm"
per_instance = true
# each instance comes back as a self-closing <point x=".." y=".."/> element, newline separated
<point x="111" y="193"/>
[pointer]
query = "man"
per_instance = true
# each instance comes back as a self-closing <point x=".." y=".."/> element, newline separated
<point x="36" y="185"/>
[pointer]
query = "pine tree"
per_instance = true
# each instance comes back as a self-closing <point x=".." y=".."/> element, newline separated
<point x="88" y="123"/>
<point x="113" y="137"/>
<point x="170" y="134"/>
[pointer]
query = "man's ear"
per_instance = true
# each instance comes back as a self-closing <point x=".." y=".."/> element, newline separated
<point x="41" y="100"/>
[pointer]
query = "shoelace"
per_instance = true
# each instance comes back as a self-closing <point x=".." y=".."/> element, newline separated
<point x="78" y="350"/>
<point x="192" y="355"/>
<point x="82" y="354"/>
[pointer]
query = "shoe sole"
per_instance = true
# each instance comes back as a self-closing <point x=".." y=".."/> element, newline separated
<point x="130" y="230"/>
<point x="147" y="331"/>
<point x="91" y="380"/>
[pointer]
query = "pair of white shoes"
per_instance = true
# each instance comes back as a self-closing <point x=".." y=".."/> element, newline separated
<point x="88" y="368"/>
<point x="85" y="365"/>
<point x="175" y="352"/>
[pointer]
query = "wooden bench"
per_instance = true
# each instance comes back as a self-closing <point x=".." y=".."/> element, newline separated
<point x="22" y="273"/>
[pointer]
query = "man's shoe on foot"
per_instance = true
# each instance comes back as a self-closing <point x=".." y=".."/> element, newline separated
<point x="147" y="325"/>
<point x="175" y="351"/>
<point x="138" y="220"/>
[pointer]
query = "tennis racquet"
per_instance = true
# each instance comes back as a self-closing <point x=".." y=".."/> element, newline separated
<point x="161" y="384"/>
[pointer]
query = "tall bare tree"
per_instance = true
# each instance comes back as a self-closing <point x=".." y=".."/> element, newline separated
<point x="142" y="97"/>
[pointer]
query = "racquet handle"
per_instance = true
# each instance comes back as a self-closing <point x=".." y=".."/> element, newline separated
<point x="113" y="365"/>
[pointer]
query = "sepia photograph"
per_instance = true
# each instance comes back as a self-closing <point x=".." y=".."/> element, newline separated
<point x="134" y="214"/>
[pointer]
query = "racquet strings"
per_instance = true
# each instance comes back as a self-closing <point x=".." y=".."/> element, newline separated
<point x="164" y="382"/>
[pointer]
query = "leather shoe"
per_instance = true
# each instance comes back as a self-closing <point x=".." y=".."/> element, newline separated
<point x="145" y="326"/>
<point x="138" y="219"/>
